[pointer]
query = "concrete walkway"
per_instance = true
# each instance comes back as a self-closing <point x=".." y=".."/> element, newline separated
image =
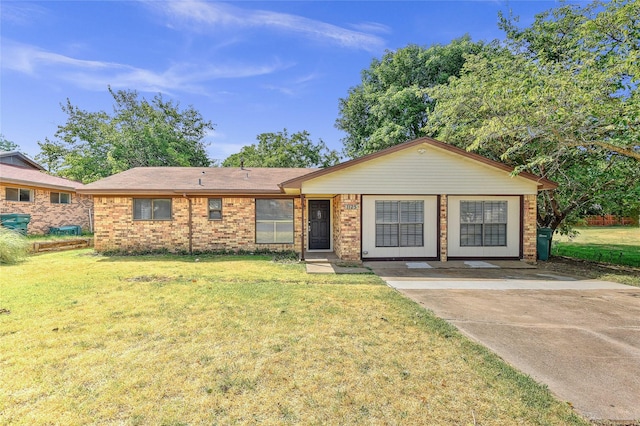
<point x="579" y="337"/>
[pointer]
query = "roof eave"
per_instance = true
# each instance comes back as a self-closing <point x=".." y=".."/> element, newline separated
<point x="37" y="184"/>
<point x="177" y="191"/>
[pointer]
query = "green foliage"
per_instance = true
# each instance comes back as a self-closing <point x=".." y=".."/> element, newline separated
<point x="560" y="100"/>
<point x="14" y="247"/>
<point x="139" y="133"/>
<point x="281" y="150"/>
<point x="604" y="253"/>
<point x="391" y="105"/>
<point x="7" y="145"/>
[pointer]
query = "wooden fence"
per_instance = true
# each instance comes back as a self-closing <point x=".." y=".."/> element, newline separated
<point x="610" y="220"/>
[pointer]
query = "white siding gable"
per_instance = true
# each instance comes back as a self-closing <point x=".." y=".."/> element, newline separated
<point x="421" y="169"/>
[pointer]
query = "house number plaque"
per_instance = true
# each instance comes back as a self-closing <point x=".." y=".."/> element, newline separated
<point x="351" y="207"/>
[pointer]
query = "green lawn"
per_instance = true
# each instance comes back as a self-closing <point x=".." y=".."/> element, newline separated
<point x="166" y="340"/>
<point x="616" y="245"/>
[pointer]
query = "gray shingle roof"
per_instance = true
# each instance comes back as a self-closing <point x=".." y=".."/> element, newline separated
<point x="155" y="180"/>
<point x="31" y="177"/>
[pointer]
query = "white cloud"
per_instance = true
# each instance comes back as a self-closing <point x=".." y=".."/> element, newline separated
<point x="372" y="27"/>
<point x="21" y="13"/>
<point x="206" y="16"/>
<point x="96" y="75"/>
<point x="294" y="87"/>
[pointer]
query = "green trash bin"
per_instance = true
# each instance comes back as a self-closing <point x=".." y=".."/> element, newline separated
<point x="543" y="243"/>
<point x="16" y="222"/>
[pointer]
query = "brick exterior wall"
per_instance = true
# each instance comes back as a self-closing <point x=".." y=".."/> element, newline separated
<point x="115" y="228"/>
<point x="346" y="226"/>
<point x="529" y="227"/>
<point x="45" y="214"/>
<point x="443" y="227"/>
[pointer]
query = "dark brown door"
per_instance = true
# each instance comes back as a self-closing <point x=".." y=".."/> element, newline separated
<point x="319" y="225"/>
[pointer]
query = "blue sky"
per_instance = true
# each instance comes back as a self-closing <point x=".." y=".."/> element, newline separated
<point x="249" y="67"/>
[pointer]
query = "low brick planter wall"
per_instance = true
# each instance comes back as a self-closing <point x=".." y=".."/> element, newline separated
<point x="60" y="245"/>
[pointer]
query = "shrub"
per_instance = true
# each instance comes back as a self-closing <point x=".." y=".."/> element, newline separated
<point x="13" y="246"/>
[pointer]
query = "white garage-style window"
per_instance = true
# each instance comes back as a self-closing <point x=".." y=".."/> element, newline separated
<point x="152" y="208"/>
<point x="274" y="221"/>
<point x="399" y="223"/>
<point x="483" y="223"/>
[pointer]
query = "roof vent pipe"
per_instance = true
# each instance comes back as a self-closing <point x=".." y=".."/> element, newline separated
<point x="241" y="163"/>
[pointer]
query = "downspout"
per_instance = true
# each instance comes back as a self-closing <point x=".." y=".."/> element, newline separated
<point x="190" y="224"/>
<point x="302" y="233"/>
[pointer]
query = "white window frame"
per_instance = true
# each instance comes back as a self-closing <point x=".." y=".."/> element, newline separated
<point x="275" y="222"/>
<point x="20" y="191"/>
<point x="59" y="194"/>
<point x="152" y="209"/>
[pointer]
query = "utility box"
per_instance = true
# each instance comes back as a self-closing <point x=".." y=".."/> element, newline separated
<point x="16" y="222"/>
<point x="543" y="243"/>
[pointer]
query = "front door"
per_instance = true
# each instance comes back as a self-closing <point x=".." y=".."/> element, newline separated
<point x="319" y="224"/>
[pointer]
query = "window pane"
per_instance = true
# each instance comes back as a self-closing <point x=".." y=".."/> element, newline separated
<point x="470" y="235"/>
<point x="215" y="203"/>
<point x="11" y="194"/>
<point x="495" y="212"/>
<point x="284" y="232"/>
<point x="54" y="197"/>
<point x="162" y="209"/>
<point x="386" y="212"/>
<point x="274" y="209"/>
<point x="411" y="211"/>
<point x="265" y="232"/>
<point x="411" y="235"/>
<point x="386" y="235"/>
<point x="25" y="195"/>
<point x="471" y="212"/>
<point x="65" y="198"/>
<point x="142" y="209"/>
<point x="495" y="235"/>
<point x="215" y="208"/>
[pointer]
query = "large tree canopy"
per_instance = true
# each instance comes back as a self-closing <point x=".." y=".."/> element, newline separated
<point x="560" y="100"/>
<point x="93" y="145"/>
<point x="281" y="150"/>
<point x="391" y="105"/>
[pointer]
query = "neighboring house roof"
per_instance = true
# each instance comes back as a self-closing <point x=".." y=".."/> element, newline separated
<point x="297" y="181"/>
<point x="16" y="158"/>
<point x="31" y="177"/>
<point x="189" y="180"/>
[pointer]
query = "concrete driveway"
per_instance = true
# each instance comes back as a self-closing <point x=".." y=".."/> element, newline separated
<point x="579" y="337"/>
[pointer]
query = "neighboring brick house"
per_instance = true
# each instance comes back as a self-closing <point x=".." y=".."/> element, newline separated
<point x="51" y="201"/>
<point x="423" y="199"/>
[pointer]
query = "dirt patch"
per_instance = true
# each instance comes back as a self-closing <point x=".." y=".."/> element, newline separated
<point x="149" y="279"/>
<point x="585" y="268"/>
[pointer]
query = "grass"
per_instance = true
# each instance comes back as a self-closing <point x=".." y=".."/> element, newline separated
<point x="13" y="246"/>
<point x="167" y="340"/>
<point x="615" y="245"/>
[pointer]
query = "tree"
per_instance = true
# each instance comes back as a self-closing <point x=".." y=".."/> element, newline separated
<point x="7" y="145"/>
<point x="391" y="105"/>
<point x="93" y="145"/>
<point x="560" y="100"/>
<point x="281" y="150"/>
